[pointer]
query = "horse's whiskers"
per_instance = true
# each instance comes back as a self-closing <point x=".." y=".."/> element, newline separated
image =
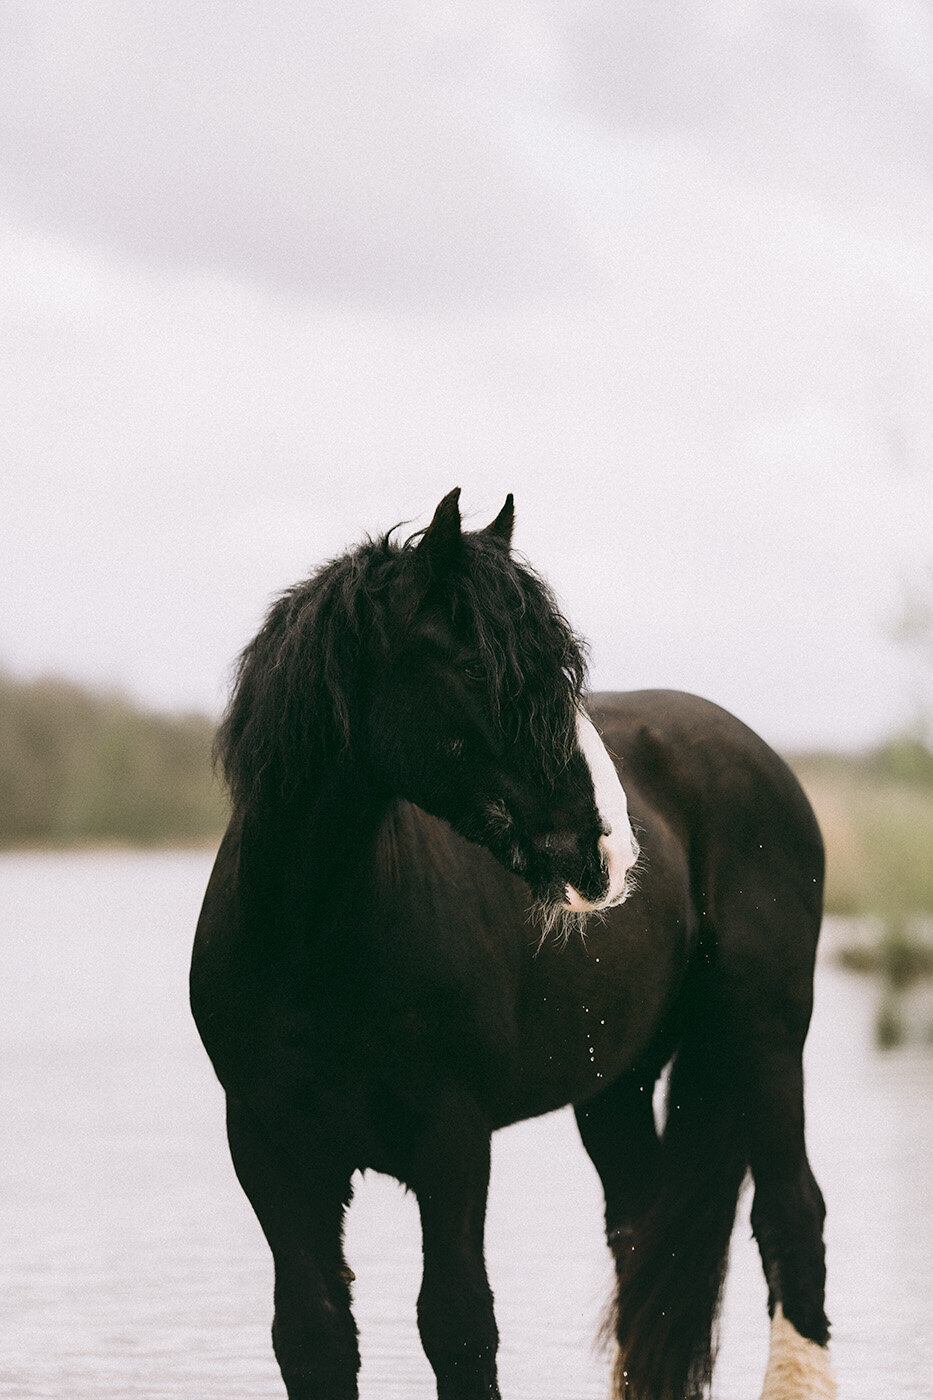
<point x="558" y="922"/>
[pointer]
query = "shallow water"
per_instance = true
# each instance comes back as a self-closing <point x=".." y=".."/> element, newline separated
<point x="131" y="1263"/>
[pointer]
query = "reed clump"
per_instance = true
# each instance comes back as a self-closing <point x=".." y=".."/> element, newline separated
<point x="876" y="812"/>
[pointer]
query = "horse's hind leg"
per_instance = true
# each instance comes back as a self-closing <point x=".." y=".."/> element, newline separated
<point x="301" y="1213"/>
<point x="768" y="977"/>
<point x="787" y="1219"/>
<point x="670" y="1206"/>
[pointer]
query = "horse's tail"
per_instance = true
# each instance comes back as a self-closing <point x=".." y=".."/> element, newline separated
<point x="671" y="1263"/>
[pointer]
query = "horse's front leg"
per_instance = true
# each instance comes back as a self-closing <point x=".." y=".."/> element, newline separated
<point x="455" y="1308"/>
<point x="300" y="1205"/>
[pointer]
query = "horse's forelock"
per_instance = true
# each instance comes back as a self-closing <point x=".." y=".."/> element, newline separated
<point x="535" y="664"/>
<point x="534" y="661"/>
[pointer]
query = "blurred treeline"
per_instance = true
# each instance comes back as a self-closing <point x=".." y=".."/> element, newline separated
<point x="81" y="768"/>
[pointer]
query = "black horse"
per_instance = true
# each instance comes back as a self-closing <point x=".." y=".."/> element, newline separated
<point x="388" y="964"/>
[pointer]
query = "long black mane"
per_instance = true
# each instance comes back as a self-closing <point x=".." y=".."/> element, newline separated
<point x="300" y="684"/>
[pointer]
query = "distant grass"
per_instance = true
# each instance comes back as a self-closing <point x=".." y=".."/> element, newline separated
<point x="879" y="841"/>
<point x="83" y="768"/>
<point x="876" y="813"/>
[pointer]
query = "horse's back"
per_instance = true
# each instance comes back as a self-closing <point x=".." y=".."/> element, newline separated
<point x="712" y="773"/>
<point x="753" y="845"/>
<point x="684" y="733"/>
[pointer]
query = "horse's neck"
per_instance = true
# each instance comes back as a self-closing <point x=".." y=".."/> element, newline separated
<point x="342" y="820"/>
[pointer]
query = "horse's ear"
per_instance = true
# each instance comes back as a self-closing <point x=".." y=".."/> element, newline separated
<point x="504" y="522"/>
<point x="441" y="541"/>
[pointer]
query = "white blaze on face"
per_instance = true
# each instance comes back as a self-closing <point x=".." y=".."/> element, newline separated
<point x="618" y="846"/>
<point x="798" y="1369"/>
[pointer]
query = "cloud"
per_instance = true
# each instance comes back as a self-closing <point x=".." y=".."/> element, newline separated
<point x="326" y="148"/>
<point x="832" y="97"/>
<point x="364" y="152"/>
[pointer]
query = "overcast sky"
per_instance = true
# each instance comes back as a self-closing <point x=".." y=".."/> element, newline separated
<point x="274" y="276"/>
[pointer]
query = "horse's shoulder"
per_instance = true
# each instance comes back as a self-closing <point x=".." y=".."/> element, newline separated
<point x="421" y="858"/>
<point x="406" y="832"/>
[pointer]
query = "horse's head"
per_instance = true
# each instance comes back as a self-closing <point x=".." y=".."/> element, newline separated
<point x="476" y="715"/>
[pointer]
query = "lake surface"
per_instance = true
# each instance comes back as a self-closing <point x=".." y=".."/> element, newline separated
<point x="132" y="1265"/>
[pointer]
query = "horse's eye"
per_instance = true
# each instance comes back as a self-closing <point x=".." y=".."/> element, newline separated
<point x="474" y="672"/>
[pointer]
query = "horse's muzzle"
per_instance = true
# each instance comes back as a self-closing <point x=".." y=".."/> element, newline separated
<point x="617" y="860"/>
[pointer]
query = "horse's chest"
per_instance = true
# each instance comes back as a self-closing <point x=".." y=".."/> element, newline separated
<point x="393" y="1032"/>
